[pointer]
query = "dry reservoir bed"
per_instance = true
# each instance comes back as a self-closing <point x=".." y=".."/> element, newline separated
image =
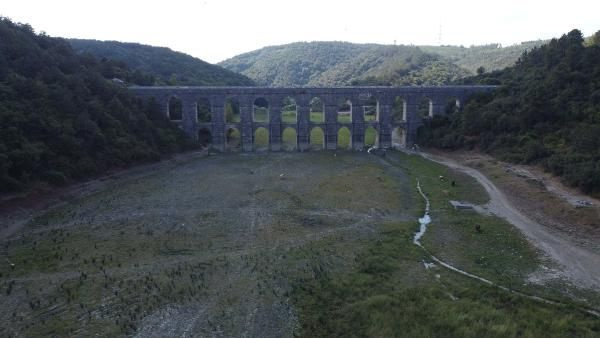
<point x="277" y="244"/>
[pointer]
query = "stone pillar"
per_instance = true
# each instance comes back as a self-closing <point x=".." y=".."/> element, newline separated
<point x="358" y="136"/>
<point x="275" y="128"/>
<point x="189" y="121"/>
<point x="302" y="131"/>
<point x="385" y="129"/>
<point x="247" y="129"/>
<point x="218" y="125"/>
<point x="358" y="127"/>
<point x="165" y="106"/>
<point x="438" y="106"/>
<point x="331" y="127"/>
<point x="413" y="120"/>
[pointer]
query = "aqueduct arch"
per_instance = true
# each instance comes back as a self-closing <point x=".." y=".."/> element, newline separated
<point x="392" y="112"/>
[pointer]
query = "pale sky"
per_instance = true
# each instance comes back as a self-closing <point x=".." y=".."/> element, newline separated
<point x="214" y="30"/>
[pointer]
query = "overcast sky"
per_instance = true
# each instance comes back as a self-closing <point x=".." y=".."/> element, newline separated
<point x="215" y="30"/>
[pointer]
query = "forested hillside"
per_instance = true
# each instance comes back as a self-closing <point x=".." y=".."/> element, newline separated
<point x="165" y="65"/>
<point x="491" y="57"/>
<point x="62" y="118"/>
<point x="547" y="111"/>
<point x="342" y="63"/>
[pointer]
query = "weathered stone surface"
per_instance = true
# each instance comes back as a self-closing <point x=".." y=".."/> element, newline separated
<point x="438" y="97"/>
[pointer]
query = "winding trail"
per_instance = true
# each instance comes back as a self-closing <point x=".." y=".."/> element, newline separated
<point x="579" y="265"/>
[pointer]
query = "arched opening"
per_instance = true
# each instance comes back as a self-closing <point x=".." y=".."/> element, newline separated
<point x="371" y="137"/>
<point x="317" y="139"/>
<point x="204" y="137"/>
<point x="289" y="139"/>
<point x="344" y="140"/>
<point x="317" y="110"/>
<point x="260" y="110"/>
<point x="344" y="114"/>
<point x="398" y="138"/>
<point x="452" y="106"/>
<point x="175" y="111"/>
<point x="371" y="109"/>
<point x="399" y="110"/>
<point x="232" y="111"/>
<point x="203" y="113"/>
<point x="289" y="110"/>
<point x="425" y="108"/>
<point x="261" y="139"/>
<point x="233" y="139"/>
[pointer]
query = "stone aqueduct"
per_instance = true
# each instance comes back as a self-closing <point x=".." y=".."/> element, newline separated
<point x="357" y="98"/>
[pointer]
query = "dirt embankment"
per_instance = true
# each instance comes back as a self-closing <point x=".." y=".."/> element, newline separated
<point x="540" y="207"/>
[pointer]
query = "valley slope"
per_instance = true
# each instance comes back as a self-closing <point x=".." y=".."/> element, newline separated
<point x="168" y="67"/>
<point x="343" y="63"/>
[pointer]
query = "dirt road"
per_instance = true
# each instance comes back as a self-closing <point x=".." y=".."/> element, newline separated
<point x="580" y="266"/>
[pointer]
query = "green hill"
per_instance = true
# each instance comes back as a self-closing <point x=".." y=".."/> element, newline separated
<point x="491" y="57"/>
<point x="547" y="111"/>
<point x="62" y="118"/>
<point x="343" y="63"/>
<point x="165" y="65"/>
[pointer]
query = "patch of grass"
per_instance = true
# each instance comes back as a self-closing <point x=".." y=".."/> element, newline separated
<point x="261" y="139"/>
<point x="344" y="117"/>
<point x="370" y="136"/>
<point x="317" y="139"/>
<point x="289" y="139"/>
<point x="343" y="138"/>
<point x="288" y="117"/>
<point x="317" y="117"/>
<point x="370" y="116"/>
<point x="388" y="292"/>
<point x="260" y="114"/>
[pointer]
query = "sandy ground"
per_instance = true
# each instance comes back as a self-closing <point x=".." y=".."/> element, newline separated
<point x="580" y="265"/>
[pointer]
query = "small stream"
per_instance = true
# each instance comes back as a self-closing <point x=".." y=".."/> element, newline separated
<point x="423" y="221"/>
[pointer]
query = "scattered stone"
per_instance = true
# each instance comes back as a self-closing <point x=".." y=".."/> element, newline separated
<point x="428" y="265"/>
<point x="582" y="204"/>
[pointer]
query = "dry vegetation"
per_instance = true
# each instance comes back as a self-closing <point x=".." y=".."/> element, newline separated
<point x="270" y="245"/>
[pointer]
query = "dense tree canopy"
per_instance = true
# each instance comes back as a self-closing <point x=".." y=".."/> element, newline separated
<point x="546" y="111"/>
<point x="167" y="67"/>
<point x="62" y="117"/>
<point x="343" y="63"/>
